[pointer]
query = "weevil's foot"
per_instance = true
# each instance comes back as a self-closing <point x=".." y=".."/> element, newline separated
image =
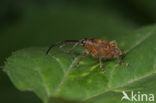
<point x="75" y="66"/>
<point x="103" y="70"/>
<point x="125" y="64"/>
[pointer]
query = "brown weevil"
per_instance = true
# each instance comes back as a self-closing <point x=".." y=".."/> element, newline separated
<point x="100" y="49"/>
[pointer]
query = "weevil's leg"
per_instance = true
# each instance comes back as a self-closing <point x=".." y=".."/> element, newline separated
<point x="62" y="47"/>
<point x="78" y="62"/>
<point x="123" y="54"/>
<point x="120" y="61"/>
<point x="101" y="64"/>
<point x="72" y="48"/>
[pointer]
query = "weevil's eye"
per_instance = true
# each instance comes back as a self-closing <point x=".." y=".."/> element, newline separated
<point x="83" y="42"/>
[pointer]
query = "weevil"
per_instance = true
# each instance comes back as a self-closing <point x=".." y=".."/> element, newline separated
<point x="100" y="49"/>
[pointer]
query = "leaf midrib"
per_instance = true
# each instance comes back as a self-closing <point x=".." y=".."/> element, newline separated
<point x="57" y="90"/>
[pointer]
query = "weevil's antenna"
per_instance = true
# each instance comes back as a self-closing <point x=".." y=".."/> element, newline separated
<point x="58" y="43"/>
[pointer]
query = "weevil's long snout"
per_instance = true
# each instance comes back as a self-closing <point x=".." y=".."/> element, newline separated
<point x="61" y="42"/>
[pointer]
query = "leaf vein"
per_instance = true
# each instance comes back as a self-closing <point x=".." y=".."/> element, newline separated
<point x="125" y="84"/>
<point x="58" y="61"/>
<point x="139" y="42"/>
<point x="64" y="77"/>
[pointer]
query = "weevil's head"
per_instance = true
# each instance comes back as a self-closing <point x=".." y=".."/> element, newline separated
<point x="83" y="42"/>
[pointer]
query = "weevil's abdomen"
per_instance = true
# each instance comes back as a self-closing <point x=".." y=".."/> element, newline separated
<point x="102" y="48"/>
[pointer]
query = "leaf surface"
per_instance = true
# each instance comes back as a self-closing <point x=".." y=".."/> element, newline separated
<point x="52" y="75"/>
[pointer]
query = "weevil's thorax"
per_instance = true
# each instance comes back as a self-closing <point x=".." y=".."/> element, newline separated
<point x="92" y="46"/>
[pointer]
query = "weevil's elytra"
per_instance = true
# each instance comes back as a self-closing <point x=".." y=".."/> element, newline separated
<point x="100" y="49"/>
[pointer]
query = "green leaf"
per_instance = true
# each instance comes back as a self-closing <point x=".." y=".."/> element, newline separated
<point x="52" y="76"/>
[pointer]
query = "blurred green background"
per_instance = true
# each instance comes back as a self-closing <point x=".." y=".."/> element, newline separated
<point x="34" y="23"/>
